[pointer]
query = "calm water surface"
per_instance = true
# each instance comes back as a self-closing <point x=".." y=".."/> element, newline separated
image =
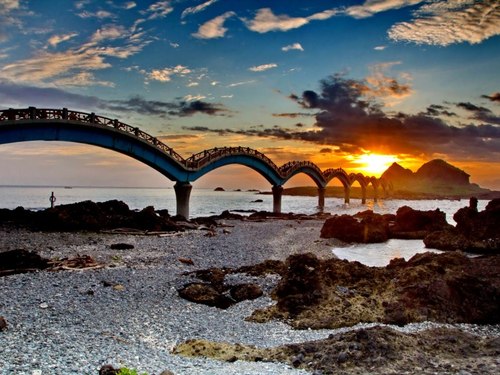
<point x="206" y="202"/>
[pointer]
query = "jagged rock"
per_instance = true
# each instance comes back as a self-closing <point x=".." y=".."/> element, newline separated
<point x="476" y="232"/>
<point x="242" y="292"/>
<point x="333" y="293"/>
<point x="413" y="224"/>
<point x="365" y="227"/>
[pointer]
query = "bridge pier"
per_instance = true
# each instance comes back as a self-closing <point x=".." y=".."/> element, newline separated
<point x="321" y="198"/>
<point x="347" y="194"/>
<point x="363" y="194"/>
<point x="277" y="194"/>
<point x="182" y="194"/>
<point x="375" y="194"/>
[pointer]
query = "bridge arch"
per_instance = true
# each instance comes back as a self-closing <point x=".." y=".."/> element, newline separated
<point x="361" y="179"/>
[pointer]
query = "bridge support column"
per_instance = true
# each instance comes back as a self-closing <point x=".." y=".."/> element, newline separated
<point x="347" y="194"/>
<point x="277" y="193"/>
<point x="363" y="194"/>
<point x="321" y="198"/>
<point x="182" y="194"/>
<point x="375" y="194"/>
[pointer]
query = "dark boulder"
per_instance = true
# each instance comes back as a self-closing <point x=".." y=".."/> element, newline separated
<point x="3" y="324"/>
<point x="205" y="294"/>
<point x="20" y="261"/>
<point x="365" y="227"/>
<point x="242" y="292"/>
<point x="413" y="224"/>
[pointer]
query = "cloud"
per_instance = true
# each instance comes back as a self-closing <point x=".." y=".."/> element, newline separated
<point x="294" y="46"/>
<point x="480" y="113"/>
<point x="165" y="74"/>
<point x="101" y="14"/>
<point x="495" y="97"/>
<point x="293" y="114"/>
<point x="129" y="5"/>
<point x="19" y="96"/>
<point x="54" y="40"/>
<point x="47" y="67"/>
<point x="236" y="84"/>
<point x="262" y="68"/>
<point x="191" y="98"/>
<point x="444" y="23"/>
<point x="389" y="89"/>
<point x="352" y="122"/>
<point x="379" y="48"/>
<point x="439" y="110"/>
<point x="191" y="108"/>
<point x="7" y="20"/>
<point x="371" y="7"/>
<point x="198" y="8"/>
<point x="214" y="28"/>
<point x="265" y="20"/>
<point x="160" y="9"/>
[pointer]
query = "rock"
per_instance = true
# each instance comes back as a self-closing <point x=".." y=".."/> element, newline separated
<point x="476" y="232"/>
<point x="20" y="261"/>
<point x="187" y="261"/>
<point x="121" y="246"/>
<point x="166" y="372"/>
<point x="242" y="292"/>
<point x="44" y="305"/>
<point x="3" y="324"/>
<point x="257" y="201"/>
<point x="219" y="189"/>
<point x="415" y="224"/>
<point x="205" y="294"/>
<point x="108" y="370"/>
<point x="365" y="227"/>
<point x="332" y="293"/>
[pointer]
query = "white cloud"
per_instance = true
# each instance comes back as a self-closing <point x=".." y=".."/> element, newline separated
<point x="213" y="28"/>
<point x="192" y="84"/>
<point x="265" y="20"/>
<point x="82" y="79"/>
<point x="108" y="32"/>
<point x="54" y="40"/>
<point x="236" y="84"/>
<point x="101" y="14"/>
<point x="160" y="9"/>
<point x="294" y="46"/>
<point x="444" y="23"/>
<point x="227" y="96"/>
<point x="129" y="5"/>
<point x="7" y="7"/>
<point x="262" y="68"/>
<point x="379" y="48"/>
<point x="190" y="98"/>
<point x="165" y="74"/>
<point x="197" y="8"/>
<point x="371" y="7"/>
<point x="174" y="45"/>
<point x="214" y="83"/>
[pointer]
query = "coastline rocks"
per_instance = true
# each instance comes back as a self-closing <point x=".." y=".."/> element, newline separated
<point x="369" y="227"/>
<point x="334" y="293"/>
<point x="212" y="291"/>
<point x="416" y="224"/>
<point x="364" y="227"/>
<point x="3" y="324"/>
<point x="475" y="232"/>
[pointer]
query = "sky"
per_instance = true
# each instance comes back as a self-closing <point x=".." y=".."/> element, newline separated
<point x="351" y="84"/>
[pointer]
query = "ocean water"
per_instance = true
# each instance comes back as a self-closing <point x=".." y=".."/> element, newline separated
<point x="205" y="202"/>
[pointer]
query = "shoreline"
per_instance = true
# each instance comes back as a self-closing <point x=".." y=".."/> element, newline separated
<point x="70" y="322"/>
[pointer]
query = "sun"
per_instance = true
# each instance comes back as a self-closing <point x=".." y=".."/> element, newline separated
<point x="374" y="164"/>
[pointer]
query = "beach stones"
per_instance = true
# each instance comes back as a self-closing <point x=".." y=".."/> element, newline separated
<point x="3" y="324"/>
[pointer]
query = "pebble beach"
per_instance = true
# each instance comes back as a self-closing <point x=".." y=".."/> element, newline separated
<point x="127" y="313"/>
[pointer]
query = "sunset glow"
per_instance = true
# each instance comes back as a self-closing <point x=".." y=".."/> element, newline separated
<point x="373" y="164"/>
<point x="400" y="81"/>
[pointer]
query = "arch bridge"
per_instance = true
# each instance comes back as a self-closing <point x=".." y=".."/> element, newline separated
<point x="44" y="124"/>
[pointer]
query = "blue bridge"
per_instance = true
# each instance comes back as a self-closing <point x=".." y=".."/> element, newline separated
<point x="42" y="124"/>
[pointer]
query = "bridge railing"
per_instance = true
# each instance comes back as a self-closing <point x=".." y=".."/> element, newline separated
<point x="205" y="157"/>
<point x="293" y="165"/>
<point x="33" y="113"/>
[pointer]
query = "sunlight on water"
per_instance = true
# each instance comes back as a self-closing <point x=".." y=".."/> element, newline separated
<point x="380" y="254"/>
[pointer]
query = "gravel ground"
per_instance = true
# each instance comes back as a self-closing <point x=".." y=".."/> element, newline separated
<point x="69" y="322"/>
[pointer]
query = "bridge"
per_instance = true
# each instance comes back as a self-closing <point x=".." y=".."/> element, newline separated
<point x="44" y="124"/>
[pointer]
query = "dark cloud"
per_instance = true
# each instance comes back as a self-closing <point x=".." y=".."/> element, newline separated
<point x="438" y="110"/>
<point x="14" y="95"/>
<point x="190" y="108"/>
<point x="293" y="115"/>
<point x="347" y="119"/>
<point x="325" y="151"/>
<point x="495" y="97"/>
<point x="480" y="113"/>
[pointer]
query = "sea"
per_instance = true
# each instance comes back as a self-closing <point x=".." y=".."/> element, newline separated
<point x="206" y="202"/>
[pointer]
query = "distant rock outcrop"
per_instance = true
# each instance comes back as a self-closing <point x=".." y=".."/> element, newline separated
<point x="440" y="172"/>
<point x="398" y="175"/>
